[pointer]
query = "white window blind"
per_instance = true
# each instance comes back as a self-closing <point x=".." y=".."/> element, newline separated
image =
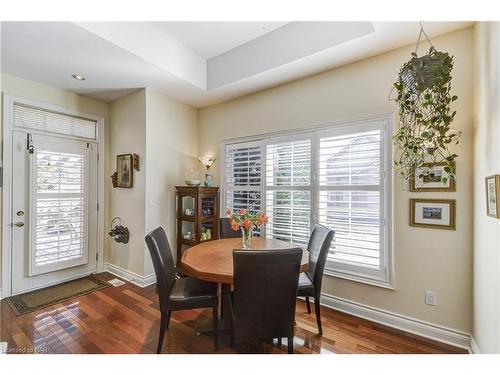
<point x="243" y="177"/>
<point x="351" y="197"/>
<point x="53" y="122"/>
<point x="288" y="190"/>
<point x="59" y="210"/>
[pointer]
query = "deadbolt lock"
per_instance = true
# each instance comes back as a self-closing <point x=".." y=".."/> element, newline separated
<point x="20" y="213"/>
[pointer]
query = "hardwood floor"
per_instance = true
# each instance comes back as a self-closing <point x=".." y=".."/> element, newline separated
<point x="125" y="319"/>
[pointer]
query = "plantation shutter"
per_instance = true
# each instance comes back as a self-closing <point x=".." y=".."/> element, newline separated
<point x="351" y="195"/>
<point x="334" y="176"/>
<point x="59" y="209"/>
<point x="288" y="190"/>
<point x="243" y="176"/>
<point x="53" y="122"/>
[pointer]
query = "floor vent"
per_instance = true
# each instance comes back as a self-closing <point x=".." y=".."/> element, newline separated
<point x="116" y="282"/>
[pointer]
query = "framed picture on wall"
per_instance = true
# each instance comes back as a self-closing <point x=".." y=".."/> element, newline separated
<point x="492" y="196"/>
<point x="433" y="213"/>
<point x="125" y="171"/>
<point x="430" y="178"/>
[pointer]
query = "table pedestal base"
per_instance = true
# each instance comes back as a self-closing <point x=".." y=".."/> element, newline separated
<point x="225" y="312"/>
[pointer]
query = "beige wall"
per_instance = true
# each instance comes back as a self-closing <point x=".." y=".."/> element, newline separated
<point x="172" y="148"/>
<point x="425" y="259"/>
<point x="127" y="133"/>
<point x="486" y="325"/>
<point x="163" y="132"/>
<point x="12" y="85"/>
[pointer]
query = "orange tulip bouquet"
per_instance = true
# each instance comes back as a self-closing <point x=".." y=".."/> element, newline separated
<point x="246" y="221"/>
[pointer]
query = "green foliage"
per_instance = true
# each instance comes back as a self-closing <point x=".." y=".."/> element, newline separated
<point x="425" y="116"/>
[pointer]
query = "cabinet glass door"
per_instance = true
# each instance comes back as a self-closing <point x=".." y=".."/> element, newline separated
<point x="188" y="206"/>
<point x="207" y="206"/>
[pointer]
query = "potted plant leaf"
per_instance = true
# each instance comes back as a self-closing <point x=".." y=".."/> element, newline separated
<point x="424" y="98"/>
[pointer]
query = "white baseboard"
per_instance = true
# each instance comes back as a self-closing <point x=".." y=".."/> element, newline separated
<point x="404" y="323"/>
<point x="474" y="349"/>
<point x="141" y="281"/>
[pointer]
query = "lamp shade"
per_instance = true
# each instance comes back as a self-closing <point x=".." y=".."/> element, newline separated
<point x="207" y="161"/>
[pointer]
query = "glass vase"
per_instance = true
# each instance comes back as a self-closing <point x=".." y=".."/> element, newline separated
<point x="246" y="236"/>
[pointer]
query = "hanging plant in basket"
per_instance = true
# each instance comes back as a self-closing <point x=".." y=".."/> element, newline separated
<point x="425" y="116"/>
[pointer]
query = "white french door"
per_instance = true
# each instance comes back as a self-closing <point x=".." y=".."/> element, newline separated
<point x="54" y="209"/>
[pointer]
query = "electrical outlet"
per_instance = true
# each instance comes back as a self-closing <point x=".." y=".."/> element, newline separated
<point x="430" y="298"/>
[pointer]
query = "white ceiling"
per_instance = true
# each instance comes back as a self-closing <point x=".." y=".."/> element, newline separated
<point x="199" y="63"/>
<point x="209" y="39"/>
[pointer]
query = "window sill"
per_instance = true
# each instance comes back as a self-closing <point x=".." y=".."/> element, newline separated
<point x="360" y="279"/>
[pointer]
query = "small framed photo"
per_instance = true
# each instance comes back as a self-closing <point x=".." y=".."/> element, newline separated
<point x="433" y="213"/>
<point x="492" y="195"/>
<point x="125" y="173"/>
<point x="430" y="178"/>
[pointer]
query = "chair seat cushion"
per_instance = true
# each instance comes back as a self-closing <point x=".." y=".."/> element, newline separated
<point x="306" y="287"/>
<point x="191" y="293"/>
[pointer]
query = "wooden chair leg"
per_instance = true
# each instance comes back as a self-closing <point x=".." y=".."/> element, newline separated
<point x="308" y="304"/>
<point x="216" y="327"/>
<point x="318" y="314"/>
<point x="162" y="334"/>
<point x="290" y="344"/>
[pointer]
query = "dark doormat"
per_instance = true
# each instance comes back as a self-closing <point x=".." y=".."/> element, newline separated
<point x="41" y="298"/>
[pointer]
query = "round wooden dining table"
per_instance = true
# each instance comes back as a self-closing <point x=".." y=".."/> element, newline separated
<point x="213" y="260"/>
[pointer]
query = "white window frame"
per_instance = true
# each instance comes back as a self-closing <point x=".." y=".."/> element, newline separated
<point x="223" y="189"/>
<point x="37" y="270"/>
<point x="284" y="139"/>
<point x="383" y="277"/>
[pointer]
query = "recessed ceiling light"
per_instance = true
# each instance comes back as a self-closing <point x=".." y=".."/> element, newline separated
<point x="78" y="77"/>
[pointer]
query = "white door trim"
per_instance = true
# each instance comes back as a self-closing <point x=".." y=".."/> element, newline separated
<point x="8" y="103"/>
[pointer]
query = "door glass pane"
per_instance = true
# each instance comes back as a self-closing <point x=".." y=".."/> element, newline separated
<point x="59" y="210"/>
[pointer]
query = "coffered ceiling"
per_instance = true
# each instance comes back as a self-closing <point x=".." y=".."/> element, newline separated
<point x="199" y="63"/>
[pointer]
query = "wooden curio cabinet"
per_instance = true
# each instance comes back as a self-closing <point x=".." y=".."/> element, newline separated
<point x="197" y="216"/>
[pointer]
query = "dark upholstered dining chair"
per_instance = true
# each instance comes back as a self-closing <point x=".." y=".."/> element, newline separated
<point x="265" y="293"/>
<point x="310" y="281"/>
<point x="225" y="229"/>
<point x="178" y="294"/>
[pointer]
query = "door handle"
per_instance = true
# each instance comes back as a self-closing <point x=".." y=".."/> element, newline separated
<point x="18" y="224"/>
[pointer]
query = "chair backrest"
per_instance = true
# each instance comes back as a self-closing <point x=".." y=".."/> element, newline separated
<point x="225" y="229"/>
<point x="265" y="292"/>
<point x="163" y="263"/>
<point x="318" y="247"/>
